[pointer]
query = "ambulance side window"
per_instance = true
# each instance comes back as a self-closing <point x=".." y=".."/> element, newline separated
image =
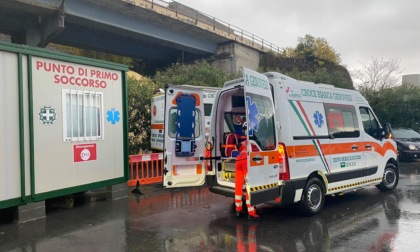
<point x="370" y="124"/>
<point x="261" y="125"/>
<point x="342" y="121"/>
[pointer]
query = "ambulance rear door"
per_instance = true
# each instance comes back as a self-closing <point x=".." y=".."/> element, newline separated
<point x="263" y="169"/>
<point x="184" y="137"/>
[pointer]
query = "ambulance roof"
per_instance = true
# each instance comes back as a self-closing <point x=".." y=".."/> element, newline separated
<point x="204" y="88"/>
<point x="358" y="98"/>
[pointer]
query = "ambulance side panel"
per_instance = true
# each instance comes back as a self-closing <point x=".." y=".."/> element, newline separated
<point x="346" y="148"/>
<point x="304" y="131"/>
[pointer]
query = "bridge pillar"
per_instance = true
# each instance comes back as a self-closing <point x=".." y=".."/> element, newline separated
<point x="232" y="56"/>
<point x="42" y="31"/>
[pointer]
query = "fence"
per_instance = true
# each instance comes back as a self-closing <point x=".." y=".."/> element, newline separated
<point x="146" y="169"/>
<point x="194" y="17"/>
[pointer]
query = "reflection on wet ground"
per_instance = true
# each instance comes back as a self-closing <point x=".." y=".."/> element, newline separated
<point x="197" y="220"/>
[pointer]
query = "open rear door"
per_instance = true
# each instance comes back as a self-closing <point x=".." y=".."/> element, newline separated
<point x="263" y="169"/>
<point x="184" y="137"/>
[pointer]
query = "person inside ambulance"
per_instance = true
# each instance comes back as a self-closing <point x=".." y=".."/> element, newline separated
<point x="241" y="171"/>
<point x="238" y="121"/>
<point x="233" y="139"/>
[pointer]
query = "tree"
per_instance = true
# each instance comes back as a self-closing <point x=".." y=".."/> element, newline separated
<point x="197" y="74"/>
<point x="335" y="77"/>
<point x="301" y="69"/>
<point x="313" y="49"/>
<point x="377" y="74"/>
<point x="139" y="94"/>
<point x="399" y="106"/>
<point x="377" y="81"/>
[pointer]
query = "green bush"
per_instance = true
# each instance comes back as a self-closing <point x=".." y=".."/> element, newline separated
<point x="197" y="74"/>
<point x="139" y="95"/>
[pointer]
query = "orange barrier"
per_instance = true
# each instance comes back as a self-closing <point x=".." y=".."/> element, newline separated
<point x="146" y="169"/>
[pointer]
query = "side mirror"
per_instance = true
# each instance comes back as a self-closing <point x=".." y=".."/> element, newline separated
<point x="387" y="131"/>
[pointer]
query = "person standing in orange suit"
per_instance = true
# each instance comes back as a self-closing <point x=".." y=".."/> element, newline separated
<point x="241" y="170"/>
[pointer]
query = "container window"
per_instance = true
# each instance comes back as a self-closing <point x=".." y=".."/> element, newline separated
<point x="82" y="115"/>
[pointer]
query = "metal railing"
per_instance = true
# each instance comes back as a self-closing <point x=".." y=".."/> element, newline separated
<point x="194" y="17"/>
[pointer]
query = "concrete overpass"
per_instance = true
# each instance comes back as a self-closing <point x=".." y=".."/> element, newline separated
<point x="156" y="31"/>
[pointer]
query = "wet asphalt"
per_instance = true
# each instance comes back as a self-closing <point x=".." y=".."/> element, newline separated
<point x="194" y="219"/>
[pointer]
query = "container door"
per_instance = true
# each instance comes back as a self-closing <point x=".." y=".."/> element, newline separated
<point x="184" y="137"/>
<point x="263" y="169"/>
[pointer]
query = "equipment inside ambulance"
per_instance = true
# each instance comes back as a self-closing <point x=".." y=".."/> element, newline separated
<point x="305" y="141"/>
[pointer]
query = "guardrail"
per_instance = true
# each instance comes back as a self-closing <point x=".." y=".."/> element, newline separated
<point x="194" y="17"/>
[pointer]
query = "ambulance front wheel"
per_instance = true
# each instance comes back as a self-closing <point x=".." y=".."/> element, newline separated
<point x="389" y="179"/>
<point x="313" y="197"/>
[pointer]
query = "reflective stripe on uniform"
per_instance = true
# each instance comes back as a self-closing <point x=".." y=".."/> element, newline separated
<point x="238" y="201"/>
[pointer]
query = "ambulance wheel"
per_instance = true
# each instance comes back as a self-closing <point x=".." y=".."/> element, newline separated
<point x="313" y="197"/>
<point x="390" y="178"/>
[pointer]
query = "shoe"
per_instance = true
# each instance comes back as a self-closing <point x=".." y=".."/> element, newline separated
<point x="253" y="217"/>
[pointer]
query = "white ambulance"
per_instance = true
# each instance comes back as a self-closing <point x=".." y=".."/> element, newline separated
<point x="305" y="141"/>
<point x="158" y="110"/>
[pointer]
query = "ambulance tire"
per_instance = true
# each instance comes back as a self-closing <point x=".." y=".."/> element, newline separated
<point x="389" y="179"/>
<point x="313" y="197"/>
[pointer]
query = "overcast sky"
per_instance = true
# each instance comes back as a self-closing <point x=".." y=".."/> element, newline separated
<point x="356" y="29"/>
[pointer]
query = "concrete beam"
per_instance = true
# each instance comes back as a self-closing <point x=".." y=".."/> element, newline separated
<point x="233" y="56"/>
<point x="127" y="19"/>
<point x="40" y="35"/>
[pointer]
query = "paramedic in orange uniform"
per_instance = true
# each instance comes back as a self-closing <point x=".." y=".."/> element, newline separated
<point x="241" y="170"/>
